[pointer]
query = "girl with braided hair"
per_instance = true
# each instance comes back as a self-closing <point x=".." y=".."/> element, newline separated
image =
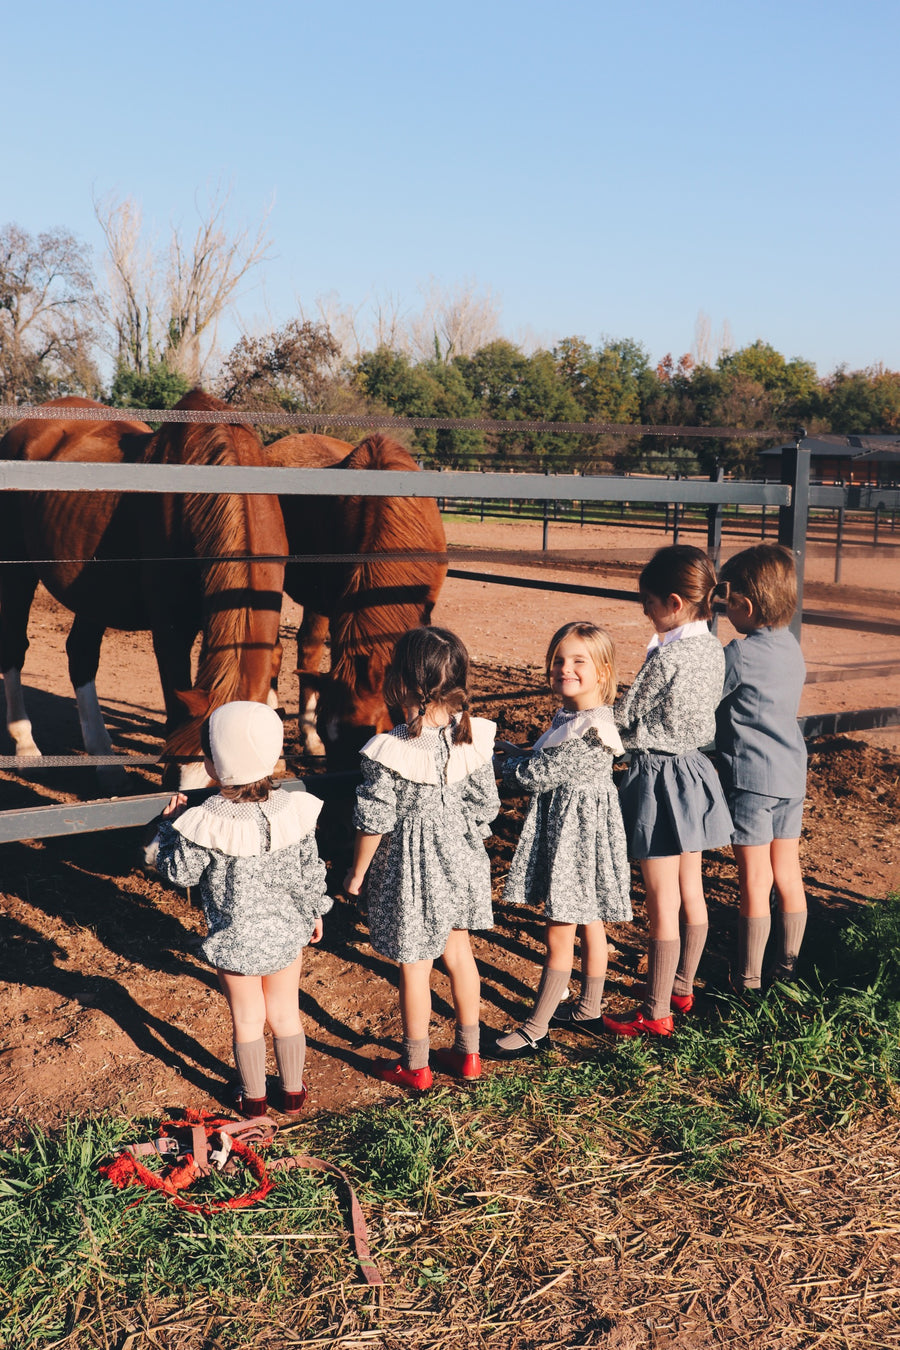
<point x="422" y="814"/>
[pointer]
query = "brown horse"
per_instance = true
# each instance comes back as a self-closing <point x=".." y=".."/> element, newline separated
<point x="366" y="604"/>
<point x="220" y="580"/>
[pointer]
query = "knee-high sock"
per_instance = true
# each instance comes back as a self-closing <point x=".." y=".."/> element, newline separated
<point x="753" y="934"/>
<point x="662" y="962"/>
<point x="693" y="940"/>
<point x="791" y="928"/>
<point x="590" y="1002"/>
<point x="290" y="1055"/>
<point x="415" y="1053"/>
<point x="250" y="1058"/>
<point x="467" y="1039"/>
<point x="549" y="995"/>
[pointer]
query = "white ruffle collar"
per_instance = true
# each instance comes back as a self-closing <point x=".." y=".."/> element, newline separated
<point x="414" y="759"/>
<point x="692" y="629"/>
<point x="239" y="836"/>
<point x="574" y="728"/>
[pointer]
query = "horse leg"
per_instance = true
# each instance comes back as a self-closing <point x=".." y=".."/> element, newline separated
<point x="17" y="589"/>
<point x="83" y="650"/>
<point x="172" y="643"/>
<point x="272" y="696"/>
<point x="311" y="637"/>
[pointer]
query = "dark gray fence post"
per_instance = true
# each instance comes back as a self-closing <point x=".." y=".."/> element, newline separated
<point x="714" y="534"/>
<point x="794" y="518"/>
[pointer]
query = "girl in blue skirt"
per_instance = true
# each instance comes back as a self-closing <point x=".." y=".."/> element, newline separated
<point x="672" y="802"/>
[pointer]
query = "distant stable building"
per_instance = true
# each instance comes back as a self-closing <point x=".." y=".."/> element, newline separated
<point x="854" y="461"/>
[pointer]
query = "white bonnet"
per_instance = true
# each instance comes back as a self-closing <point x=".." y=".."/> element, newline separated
<point x="246" y="740"/>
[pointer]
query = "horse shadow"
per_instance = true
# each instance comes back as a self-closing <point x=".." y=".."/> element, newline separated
<point x="29" y="782"/>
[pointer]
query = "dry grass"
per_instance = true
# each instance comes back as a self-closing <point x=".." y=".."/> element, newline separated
<point x="539" y="1235"/>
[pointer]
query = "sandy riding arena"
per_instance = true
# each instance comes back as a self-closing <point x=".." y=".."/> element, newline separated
<point x="108" y="1004"/>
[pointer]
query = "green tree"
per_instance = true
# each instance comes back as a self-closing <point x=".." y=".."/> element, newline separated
<point x="156" y="387"/>
<point x="792" y="386"/>
<point x="509" y="386"/>
<point x="861" y="401"/>
<point x="393" y="383"/>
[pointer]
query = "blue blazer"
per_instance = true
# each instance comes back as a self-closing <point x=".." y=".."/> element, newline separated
<point x="758" y="740"/>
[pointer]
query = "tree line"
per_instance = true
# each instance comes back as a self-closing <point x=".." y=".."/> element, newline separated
<point x="145" y="331"/>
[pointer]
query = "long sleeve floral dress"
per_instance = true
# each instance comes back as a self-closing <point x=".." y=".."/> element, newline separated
<point x="571" y="858"/>
<point x="433" y="802"/>
<point x="260" y="878"/>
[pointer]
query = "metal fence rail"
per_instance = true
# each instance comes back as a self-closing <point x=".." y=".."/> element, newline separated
<point x="793" y="497"/>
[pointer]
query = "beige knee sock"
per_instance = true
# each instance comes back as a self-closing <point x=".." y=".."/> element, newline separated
<point x="662" y="962"/>
<point x="290" y="1054"/>
<point x="753" y="934"/>
<point x="467" y="1039"/>
<point x="415" y="1053"/>
<point x="250" y="1058"/>
<point x="590" y="1003"/>
<point x="791" y="928"/>
<point x="693" y="940"/>
<point x="550" y="993"/>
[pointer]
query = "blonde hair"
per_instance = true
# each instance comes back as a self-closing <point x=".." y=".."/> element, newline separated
<point x="430" y="665"/>
<point x="766" y="576"/>
<point x="600" y="648"/>
<point x="681" y="569"/>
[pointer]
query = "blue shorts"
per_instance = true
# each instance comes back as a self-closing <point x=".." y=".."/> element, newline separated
<point x="759" y="819"/>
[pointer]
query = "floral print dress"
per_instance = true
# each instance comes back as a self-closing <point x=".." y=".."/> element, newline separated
<point x="571" y="858"/>
<point x="260" y="878"/>
<point x="433" y="802"/>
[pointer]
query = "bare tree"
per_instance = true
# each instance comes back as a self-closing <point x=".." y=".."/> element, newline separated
<point x="454" y="322"/>
<point x="132" y="302"/>
<point x="164" y="307"/>
<point x="47" y="315"/>
<point x="702" y="340"/>
<point x="201" y="284"/>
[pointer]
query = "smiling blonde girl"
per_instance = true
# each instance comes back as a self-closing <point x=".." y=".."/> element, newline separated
<point x="571" y="858"/>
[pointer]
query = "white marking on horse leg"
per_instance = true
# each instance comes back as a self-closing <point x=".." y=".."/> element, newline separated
<point x="307" y="735"/>
<point x="194" y="775"/>
<point x="18" y="723"/>
<point x="93" y="728"/>
<point x="95" y="738"/>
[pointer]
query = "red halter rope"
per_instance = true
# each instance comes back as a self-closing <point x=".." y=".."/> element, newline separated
<point x="187" y="1142"/>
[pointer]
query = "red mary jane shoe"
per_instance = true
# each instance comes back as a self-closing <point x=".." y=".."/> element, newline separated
<point x="682" y="1002"/>
<point x="458" y="1063"/>
<point x="249" y="1106"/>
<point x="419" y="1079"/>
<point x="292" y="1103"/>
<point x="639" y="1025"/>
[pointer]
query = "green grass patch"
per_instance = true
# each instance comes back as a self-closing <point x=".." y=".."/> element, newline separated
<point x="803" y="1056"/>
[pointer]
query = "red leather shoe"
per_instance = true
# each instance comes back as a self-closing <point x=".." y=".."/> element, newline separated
<point x="292" y="1103"/>
<point x="249" y="1106"/>
<point x="682" y="1002"/>
<point x="458" y="1063"/>
<point x="639" y="1025"/>
<point x="419" y="1079"/>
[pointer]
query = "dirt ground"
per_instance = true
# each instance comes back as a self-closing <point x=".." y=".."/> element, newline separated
<point x="108" y="1005"/>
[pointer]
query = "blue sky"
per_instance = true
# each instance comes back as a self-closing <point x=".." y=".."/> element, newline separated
<point x="599" y="169"/>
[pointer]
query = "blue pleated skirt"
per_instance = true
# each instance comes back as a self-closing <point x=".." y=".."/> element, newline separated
<point x="673" y="804"/>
